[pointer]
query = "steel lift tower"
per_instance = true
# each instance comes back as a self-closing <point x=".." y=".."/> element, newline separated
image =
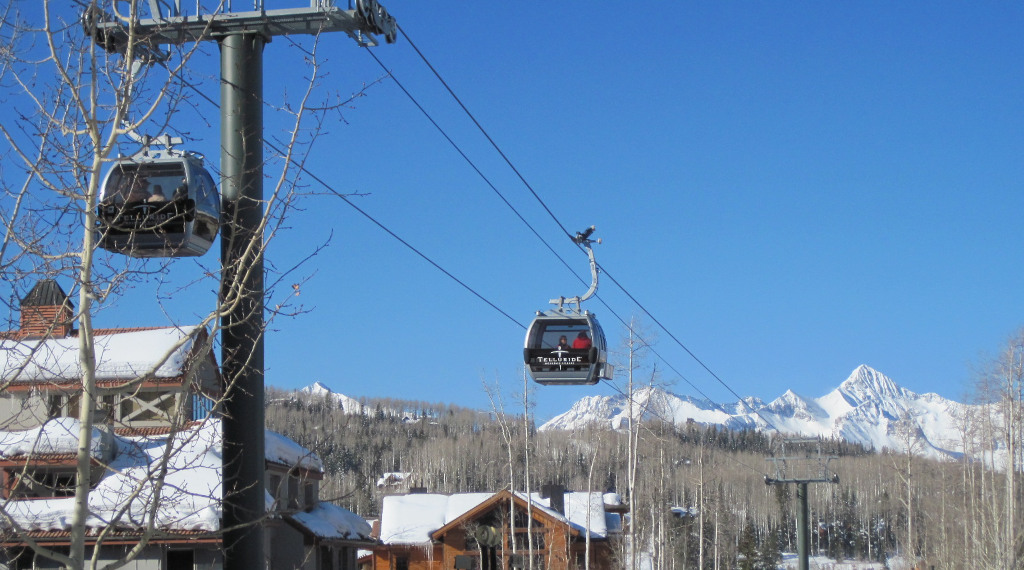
<point x="802" y="469"/>
<point x="242" y="36"/>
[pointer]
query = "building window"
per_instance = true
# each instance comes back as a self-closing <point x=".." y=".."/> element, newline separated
<point x="202" y="406"/>
<point x="401" y="563"/>
<point x="326" y="558"/>
<point x="44" y="484"/>
<point x="41" y="561"/>
<point x="181" y="560"/>
<point x="20" y="558"/>
<point x="105" y="409"/>
<point x="293" y="492"/>
<point x="274" y="488"/>
<point x="522" y="539"/>
<point x="310" y="492"/>
<point x="62" y="405"/>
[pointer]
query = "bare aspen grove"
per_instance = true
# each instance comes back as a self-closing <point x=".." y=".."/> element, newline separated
<point x="699" y="495"/>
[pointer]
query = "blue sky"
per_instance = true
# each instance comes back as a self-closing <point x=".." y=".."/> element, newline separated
<point x="792" y="189"/>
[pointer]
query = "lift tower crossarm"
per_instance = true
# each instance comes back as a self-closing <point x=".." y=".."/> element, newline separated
<point x="802" y="470"/>
<point x="368" y="18"/>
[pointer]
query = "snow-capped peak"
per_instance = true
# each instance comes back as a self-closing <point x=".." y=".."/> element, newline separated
<point x="866" y="384"/>
<point x="317" y="389"/>
<point x="347" y="404"/>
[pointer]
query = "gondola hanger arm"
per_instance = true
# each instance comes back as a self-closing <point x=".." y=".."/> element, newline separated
<point x="583" y="240"/>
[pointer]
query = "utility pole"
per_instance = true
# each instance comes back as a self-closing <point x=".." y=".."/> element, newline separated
<point x="242" y="37"/>
<point x="802" y="470"/>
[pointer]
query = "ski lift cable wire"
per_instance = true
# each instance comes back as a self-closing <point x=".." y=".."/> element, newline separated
<point x="468" y="160"/>
<point x="688" y="351"/>
<point x="563" y="228"/>
<point x="519" y="215"/>
<point x="429" y="260"/>
<point x="490" y="184"/>
<point x="484" y="132"/>
<point x="375" y="221"/>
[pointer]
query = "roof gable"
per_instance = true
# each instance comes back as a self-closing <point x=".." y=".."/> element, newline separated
<point x="498" y="499"/>
<point x="420" y="518"/>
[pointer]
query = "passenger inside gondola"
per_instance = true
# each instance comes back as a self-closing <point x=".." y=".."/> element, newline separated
<point x="181" y="192"/>
<point x="563" y="343"/>
<point x="138" y="192"/>
<point x="582" y="341"/>
<point x="158" y="194"/>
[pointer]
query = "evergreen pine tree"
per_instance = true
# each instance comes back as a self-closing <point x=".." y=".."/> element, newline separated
<point x="747" y="547"/>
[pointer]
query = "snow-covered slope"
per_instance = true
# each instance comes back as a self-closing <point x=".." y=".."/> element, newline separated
<point x="867" y="408"/>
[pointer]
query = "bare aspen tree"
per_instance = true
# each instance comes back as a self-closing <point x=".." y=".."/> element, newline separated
<point x="498" y="409"/>
<point x="76" y="104"/>
<point x="996" y="434"/>
<point x="909" y="437"/>
<point x="635" y="350"/>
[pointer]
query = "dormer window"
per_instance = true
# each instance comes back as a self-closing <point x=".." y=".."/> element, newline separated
<point x="41" y="483"/>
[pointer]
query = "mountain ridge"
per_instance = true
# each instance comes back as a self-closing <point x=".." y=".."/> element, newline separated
<point x="867" y="408"/>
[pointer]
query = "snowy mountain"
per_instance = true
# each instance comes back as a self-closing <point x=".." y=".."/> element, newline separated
<point x="348" y="405"/>
<point x="867" y="408"/>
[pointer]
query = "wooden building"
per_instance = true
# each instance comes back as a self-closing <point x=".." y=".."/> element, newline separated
<point x="497" y="531"/>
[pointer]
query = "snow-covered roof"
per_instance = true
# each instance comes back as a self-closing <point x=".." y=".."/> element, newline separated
<point x="190" y="498"/>
<point x="281" y="449"/>
<point x="160" y="353"/>
<point x="392" y="478"/>
<point x="582" y="511"/>
<point x="411" y="519"/>
<point x="330" y="521"/>
<point x="58" y="436"/>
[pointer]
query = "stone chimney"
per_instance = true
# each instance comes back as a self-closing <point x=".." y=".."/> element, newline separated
<point x="46" y="311"/>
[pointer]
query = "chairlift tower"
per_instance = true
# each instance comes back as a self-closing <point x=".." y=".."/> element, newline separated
<point x="242" y="36"/>
<point x="802" y="470"/>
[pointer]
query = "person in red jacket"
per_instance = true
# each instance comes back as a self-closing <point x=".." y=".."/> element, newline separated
<point x="582" y="341"/>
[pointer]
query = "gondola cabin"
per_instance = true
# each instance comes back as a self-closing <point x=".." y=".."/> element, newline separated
<point x="163" y="204"/>
<point x="566" y="348"/>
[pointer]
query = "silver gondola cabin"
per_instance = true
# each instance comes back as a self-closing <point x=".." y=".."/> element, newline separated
<point x="158" y="203"/>
<point x="565" y="345"/>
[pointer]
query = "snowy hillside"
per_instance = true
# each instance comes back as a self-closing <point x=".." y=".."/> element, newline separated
<point x="867" y="408"/>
